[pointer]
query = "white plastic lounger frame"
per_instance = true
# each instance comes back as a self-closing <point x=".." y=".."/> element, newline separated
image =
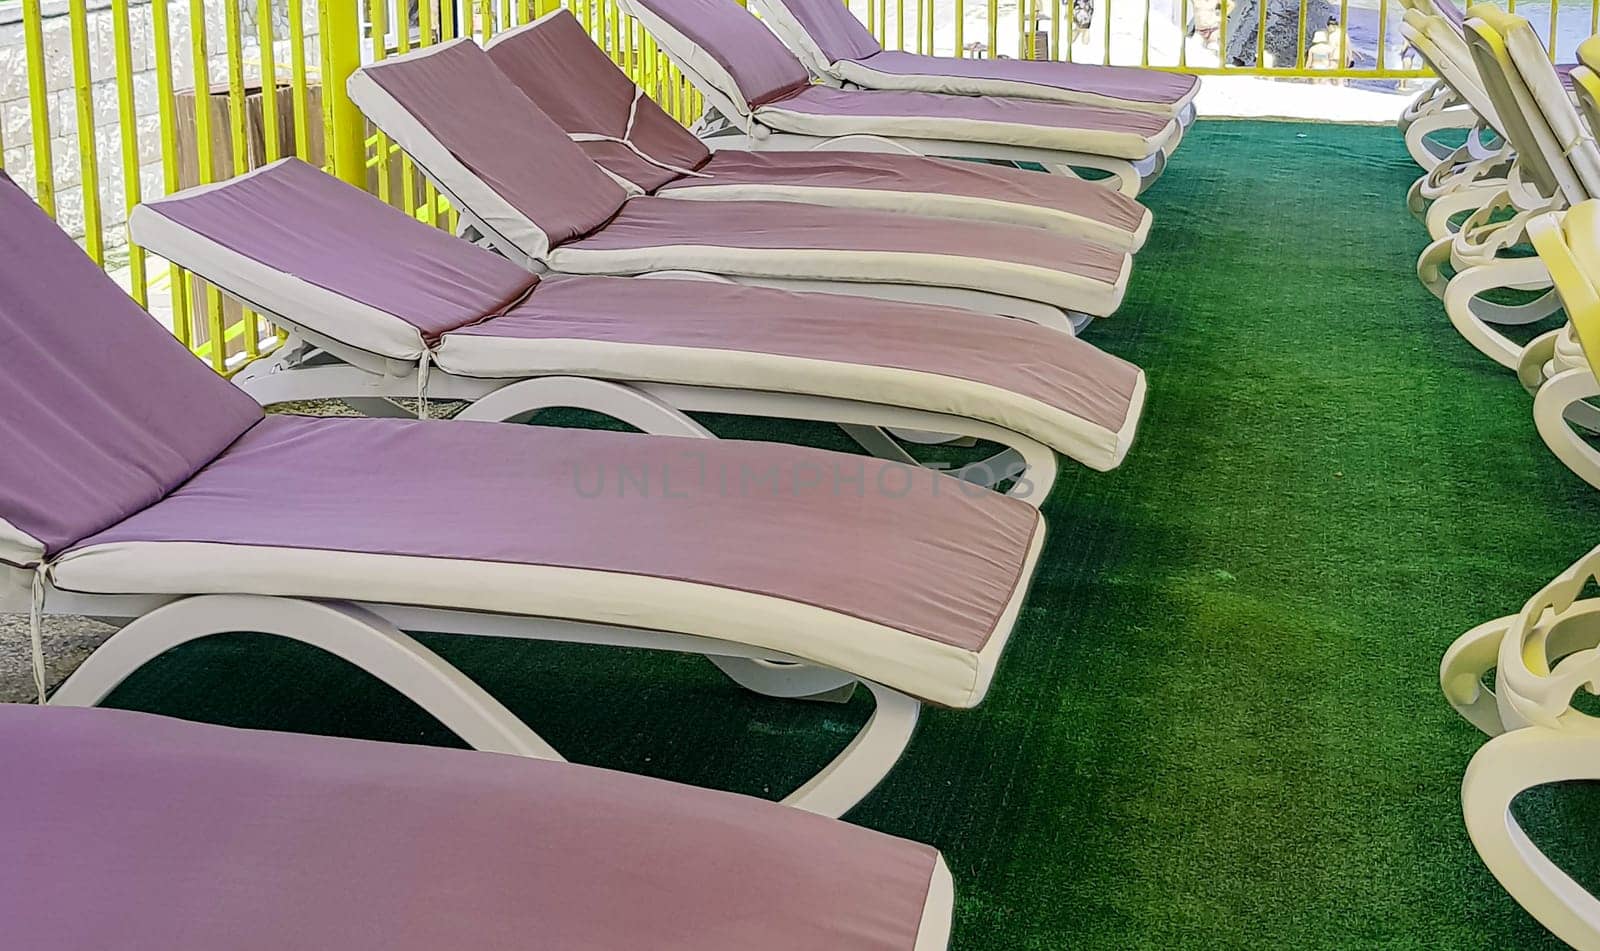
<point x="372" y="636"/>
<point x="1543" y="657"/>
<point x="728" y="124"/>
<point x="486" y="216"/>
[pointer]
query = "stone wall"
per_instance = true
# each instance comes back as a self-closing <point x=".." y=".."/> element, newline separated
<point x="16" y="135"/>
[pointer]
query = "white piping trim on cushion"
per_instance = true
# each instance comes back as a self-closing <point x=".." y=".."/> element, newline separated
<point x="336" y="315"/>
<point x="933" y="931"/>
<point x="861" y="74"/>
<point x="926" y="204"/>
<point x="467" y="191"/>
<point x="1023" y="281"/>
<point x="1124" y="145"/>
<point x="484" y="355"/>
<point x="935" y="672"/>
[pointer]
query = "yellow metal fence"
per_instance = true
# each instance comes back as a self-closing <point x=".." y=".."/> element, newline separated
<point x="103" y="102"/>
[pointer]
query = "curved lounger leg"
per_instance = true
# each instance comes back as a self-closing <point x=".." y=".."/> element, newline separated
<point x="377" y="646"/>
<point x="862" y="765"/>
<point x="1536" y="357"/>
<point x="785" y="680"/>
<point x="625" y="403"/>
<point x="344" y="630"/>
<point x="1473" y="317"/>
<point x="1502" y="770"/>
<point x="1426" y="152"/>
<point x="1440" y="215"/>
<point x="1462" y="670"/>
<point x="1124" y="176"/>
<point x="1553" y="411"/>
<point x="1430" y="265"/>
<point x="1475" y="653"/>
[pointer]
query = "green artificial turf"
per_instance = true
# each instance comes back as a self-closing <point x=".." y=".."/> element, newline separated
<point x="1218" y="724"/>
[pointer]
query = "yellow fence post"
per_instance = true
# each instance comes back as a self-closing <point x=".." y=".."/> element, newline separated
<point x="343" y="44"/>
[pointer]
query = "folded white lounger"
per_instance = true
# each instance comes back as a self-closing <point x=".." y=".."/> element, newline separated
<point x="1562" y="363"/>
<point x="555" y="63"/>
<point x="1559" y="167"/>
<point x="538" y="199"/>
<point x="757" y="86"/>
<point x="1463" y="177"/>
<point x="137" y="484"/>
<point x="1544" y="658"/>
<point x="370" y="293"/>
<point x="131" y="831"/>
<point x="840" y="50"/>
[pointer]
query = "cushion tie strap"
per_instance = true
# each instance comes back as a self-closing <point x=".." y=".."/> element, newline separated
<point x="423" y="364"/>
<point x="626" y="140"/>
<point x="36" y="628"/>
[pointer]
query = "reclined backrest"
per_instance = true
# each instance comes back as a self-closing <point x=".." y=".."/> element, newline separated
<point x="554" y="63"/>
<point x="1521" y="121"/>
<point x="1569" y="245"/>
<point x="487" y="146"/>
<point x="105" y="412"/>
<point x="822" y="32"/>
<point x="291" y="240"/>
<point x="1575" y="148"/>
<point x="726" y="47"/>
<point x="1447" y="53"/>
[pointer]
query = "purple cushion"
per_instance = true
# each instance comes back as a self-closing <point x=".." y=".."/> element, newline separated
<point x="143" y="833"/>
<point x="894" y="172"/>
<point x="834" y="29"/>
<point x="302" y="222"/>
<point x="458" y="95"/>
<point x="655" y="222"/>
<point x="1128" y="83"/>
<point x="559" y="67"/>
<point x="760" y="65"/>
<point x="104" y="411"/>
<point x="925" y="555"/>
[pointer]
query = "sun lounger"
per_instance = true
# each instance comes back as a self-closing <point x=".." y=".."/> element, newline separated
<point x="836" y="47"/>
<point x="381" y="305"/>
<point x="126" y="830"/>
<point x="1542" y="657"/>
<point x="766" y="99"/>
<point x="137" y="484"/>
<point x="555" y="63"/>
<point x="1558" y="166"/>
<point x="537" y="198"/>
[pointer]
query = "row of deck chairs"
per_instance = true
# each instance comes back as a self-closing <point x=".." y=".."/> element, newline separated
<point x="1515" y="208"/>
<point x="617" y="263"/>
